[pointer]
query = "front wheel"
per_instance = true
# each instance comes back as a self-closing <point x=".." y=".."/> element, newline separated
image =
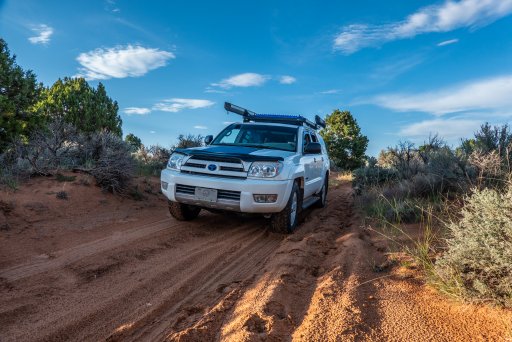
<point x="286" y="220"/>
<point x="183" y="212"/>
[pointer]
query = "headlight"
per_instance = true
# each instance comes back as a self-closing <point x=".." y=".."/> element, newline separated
<point x="265" y="169"/>
<point x="175" y="161"/>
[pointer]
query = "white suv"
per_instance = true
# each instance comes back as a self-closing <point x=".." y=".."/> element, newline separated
<point x="274" y="165"/>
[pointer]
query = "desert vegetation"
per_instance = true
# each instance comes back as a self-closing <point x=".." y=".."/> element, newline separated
<point x="460" y="198"/>
<point x="69" y="126"/>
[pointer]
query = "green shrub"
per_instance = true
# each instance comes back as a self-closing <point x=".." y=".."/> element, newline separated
<point x="112" y="163"/>
<point x="150" y="161"/>
<point x="403" y="211"/>
<point x="478" y="261"/>
<point x="372" y="175"/>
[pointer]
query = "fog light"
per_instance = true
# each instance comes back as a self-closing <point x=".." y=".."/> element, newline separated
<point x="265" y="198"/>
<point x="165" y="185"/>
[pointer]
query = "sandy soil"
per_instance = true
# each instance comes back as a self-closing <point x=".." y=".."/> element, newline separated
<point x="99" y="267"/>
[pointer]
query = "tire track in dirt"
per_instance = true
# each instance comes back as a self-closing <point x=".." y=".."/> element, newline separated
<point x="61" y="258"/>
<point x="181" y="275"/>
<point x="276" y="304"/>
<point x="245" y="262"/>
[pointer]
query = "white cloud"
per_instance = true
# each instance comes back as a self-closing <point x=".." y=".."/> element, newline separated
<point x="492" y="94"/>
<point x="248" y="79"/>
<point x="330" y="91"/>
<point x="450" y="129"/>
<point x="176" y="105"/>
<point x="43" y="33"/>
<point x="152" y="132"/>
<point x="121" y="62"/>
<point x="445" y="17"/>
<point x="213" y="90"/>
<point x="286" y="79"/>
<point x="228" y="122"/>
<point x="136" y="111"/>
<point x="200" y="127"/>
<point x="448" y="42"/>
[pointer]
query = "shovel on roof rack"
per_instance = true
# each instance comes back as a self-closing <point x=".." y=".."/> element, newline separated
<point x="250" y="116"/>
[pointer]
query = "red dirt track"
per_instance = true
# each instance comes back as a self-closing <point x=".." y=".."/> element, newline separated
<point x="98" y="267"/>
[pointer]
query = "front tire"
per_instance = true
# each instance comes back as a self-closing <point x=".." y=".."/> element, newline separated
<point x="183" y="212"/>
<point x="286" y="221"/>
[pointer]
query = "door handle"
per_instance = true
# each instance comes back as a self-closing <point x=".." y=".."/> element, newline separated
<point x="314" y="159"/>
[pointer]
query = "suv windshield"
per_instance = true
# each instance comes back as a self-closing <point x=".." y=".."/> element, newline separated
<point x="262" y="136"/>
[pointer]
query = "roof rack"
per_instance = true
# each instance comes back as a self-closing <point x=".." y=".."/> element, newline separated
<point x="250" y="116"/>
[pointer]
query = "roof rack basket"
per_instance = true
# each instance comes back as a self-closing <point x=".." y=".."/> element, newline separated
<point x="250" y="116"/>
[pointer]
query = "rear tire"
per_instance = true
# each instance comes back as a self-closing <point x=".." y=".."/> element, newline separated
<point x="286" y="221"/>
<point x="322" y="201"/>
<point x="183" y="212"/>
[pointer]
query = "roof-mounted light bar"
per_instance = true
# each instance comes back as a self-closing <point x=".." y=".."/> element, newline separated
<point x="250" y="116"/>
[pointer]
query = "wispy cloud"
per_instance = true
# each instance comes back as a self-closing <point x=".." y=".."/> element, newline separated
<point x="43" y="34"/>
<point x="450" y="129"/>
<point x="248" y="79"/>
<point x="121" y="62"/>
<point x="136" y="111"/>
<point x="492" y="94"/>
<point x="448" y="42"/>
<point x="214" y="91"/>
<point x="445" y="17"/>
<point x="176" y="105"/>
<point x="330" y="91"/>
<point x="200" y="127"/>
<point x="392" y="68"/>
<point x="286" y="79"/>
<point x="111" y="6"/>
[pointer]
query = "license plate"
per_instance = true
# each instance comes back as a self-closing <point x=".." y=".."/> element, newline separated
<point x="205" y="194"/>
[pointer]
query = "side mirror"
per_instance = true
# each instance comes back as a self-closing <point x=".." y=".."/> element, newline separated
<point x="208" y="139"/>
<point x="313" y="148"/>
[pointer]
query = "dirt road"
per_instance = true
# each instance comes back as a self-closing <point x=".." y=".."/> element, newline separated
<point x="123" y="271"/>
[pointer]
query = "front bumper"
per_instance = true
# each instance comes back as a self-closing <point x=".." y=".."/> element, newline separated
<point x="246" y="187"/>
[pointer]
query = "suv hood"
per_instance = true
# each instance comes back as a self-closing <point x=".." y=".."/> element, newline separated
<point x="241" y="152"/>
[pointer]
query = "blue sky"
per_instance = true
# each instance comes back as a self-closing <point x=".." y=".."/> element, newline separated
<point x="405" y="69"/>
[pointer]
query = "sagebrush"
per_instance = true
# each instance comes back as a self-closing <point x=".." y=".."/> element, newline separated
<point x="478" y="260"/>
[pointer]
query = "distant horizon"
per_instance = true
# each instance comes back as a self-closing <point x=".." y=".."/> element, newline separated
<point x="405" y="72"/>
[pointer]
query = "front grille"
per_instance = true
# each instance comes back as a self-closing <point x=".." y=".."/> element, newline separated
<point x="223" y="167"/>
<point x="221" y="194"/>
<point x="217" y="159"/>
<point x="231" y="168"/>
<point x="197" y="165"/>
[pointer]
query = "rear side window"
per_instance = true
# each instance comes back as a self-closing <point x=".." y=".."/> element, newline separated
<point x="313" y="137"/>
<point x="307" y="140"/>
